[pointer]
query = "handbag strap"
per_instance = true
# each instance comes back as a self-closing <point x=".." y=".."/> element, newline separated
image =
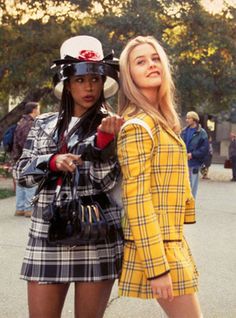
<point x="75" y="183"/>
<point x="40" y="187"/>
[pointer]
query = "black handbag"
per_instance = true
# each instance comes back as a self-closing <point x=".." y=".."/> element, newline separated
<point x="75" y="223"/>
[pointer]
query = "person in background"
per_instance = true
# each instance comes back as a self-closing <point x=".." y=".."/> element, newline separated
<point x="23" y="195"/>
<point x="232" y="154"/>
<point x="157" y="196"/>
<point x="196" y="140"/>
<point x="80" y="136"/>
<point x="207" y="161"/>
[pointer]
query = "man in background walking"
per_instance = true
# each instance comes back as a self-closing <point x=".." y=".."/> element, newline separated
<point x="196" y="140"/>
<point x="24" y="195"/>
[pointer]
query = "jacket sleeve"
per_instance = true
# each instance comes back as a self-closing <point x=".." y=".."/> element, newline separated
<point x="134" y="154"/>
<point x="104" y="168"/>
<point x="32" y="167"/>
<point x="203" y="147"/>
<point x="190" y="211"/>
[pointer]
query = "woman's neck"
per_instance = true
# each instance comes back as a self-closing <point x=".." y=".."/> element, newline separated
<point x="151" y="94"/>
<point x="78" y="112"/>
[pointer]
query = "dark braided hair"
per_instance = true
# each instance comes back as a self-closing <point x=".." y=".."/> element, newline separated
<point x="66" y="111"/>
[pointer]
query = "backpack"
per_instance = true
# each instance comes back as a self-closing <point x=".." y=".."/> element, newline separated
<point x="8" y="138"/>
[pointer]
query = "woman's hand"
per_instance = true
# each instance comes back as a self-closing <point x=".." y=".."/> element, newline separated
<point x="111" y="124"/>
<point x="162" y="287"/>
<point x="67" y="162"/>
<point x="189" y="156"/>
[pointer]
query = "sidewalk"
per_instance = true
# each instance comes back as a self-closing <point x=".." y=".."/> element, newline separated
<point x="218" y="173"/>
<point x="212" y="241"/>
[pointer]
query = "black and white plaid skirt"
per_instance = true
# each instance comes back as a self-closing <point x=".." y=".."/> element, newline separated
<point x="62" y="264"/>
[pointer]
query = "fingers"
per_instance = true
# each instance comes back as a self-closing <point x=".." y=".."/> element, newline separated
<point x="64" y="164"/>
<point x="158" y="293"/>
<point x="111" y="124"/>
<point x="75" y="159"/>
<point x="162" y="287"/>
<point x="67" y="162"/>
<point x="164" y="293"/>
<point x="170" y="294"/>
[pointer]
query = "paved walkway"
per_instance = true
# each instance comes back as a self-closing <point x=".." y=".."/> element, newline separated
<point x="212" y="240"/>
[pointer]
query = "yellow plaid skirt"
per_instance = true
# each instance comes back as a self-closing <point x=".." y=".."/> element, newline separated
<point x="183" y="271"/>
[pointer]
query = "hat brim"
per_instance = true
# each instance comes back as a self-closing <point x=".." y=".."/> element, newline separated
<point x="111" y="84"/>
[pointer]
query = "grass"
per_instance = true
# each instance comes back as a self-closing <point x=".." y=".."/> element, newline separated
<point x="5" y="165"/>
<point x="4" y="172"/>
<point x="6" y="193"/>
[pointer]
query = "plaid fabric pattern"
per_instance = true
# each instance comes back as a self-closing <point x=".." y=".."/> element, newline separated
<point x="95" y="177"/>
<point x="133" y="281"/>
<point x="156" y="191"/>
<point x="61" y="264"/>
<point x="42" y="262"/>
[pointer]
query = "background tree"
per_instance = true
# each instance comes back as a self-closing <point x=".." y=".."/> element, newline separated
<point x="205" y="59"/>
<point x="201" y="46"/>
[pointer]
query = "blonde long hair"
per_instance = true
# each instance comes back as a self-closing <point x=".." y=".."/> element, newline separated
<point x="164" y="113"/>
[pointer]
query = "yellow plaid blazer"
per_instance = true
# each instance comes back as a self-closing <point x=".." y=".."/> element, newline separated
<point x="156" y="191"/>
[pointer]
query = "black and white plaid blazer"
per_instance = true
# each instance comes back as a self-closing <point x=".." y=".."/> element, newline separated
<point x="98" y="174"/>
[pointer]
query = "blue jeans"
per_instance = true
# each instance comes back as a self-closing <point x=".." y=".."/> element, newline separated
<point x="194" y="176"/>
<point x="24" y="197"/>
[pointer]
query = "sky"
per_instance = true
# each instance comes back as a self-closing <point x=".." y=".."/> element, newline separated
<point x="215" y="6"/>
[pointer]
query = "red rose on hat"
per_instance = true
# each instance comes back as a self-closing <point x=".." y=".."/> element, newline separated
<point x="87" y="55"/>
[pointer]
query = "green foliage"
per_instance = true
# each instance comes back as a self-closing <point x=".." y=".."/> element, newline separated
<point x="5" y="173"/>
<point x="6" y="193"/>
<point x="203" y="52"/>
<point x="201" y="46"/>
<point x="3" y="157"/>
<point x="5" y="165"/>
<point x="29" y="52"/>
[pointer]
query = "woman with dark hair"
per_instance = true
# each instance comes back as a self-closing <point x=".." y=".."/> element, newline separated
<point x="79" y="137"/>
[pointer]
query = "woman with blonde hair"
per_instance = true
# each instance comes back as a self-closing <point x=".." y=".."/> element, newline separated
<point x="156" y="191"/>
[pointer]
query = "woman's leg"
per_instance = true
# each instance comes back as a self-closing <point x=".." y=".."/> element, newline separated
<point x="91" y="298"/>
<point x="46" y="300"/>
<point x="185" y="306"/>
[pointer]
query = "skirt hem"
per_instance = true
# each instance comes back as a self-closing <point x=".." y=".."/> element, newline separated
<point x="146" y="296"/>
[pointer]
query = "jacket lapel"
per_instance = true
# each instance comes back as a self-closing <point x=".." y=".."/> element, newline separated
<point x="176" y="137"/>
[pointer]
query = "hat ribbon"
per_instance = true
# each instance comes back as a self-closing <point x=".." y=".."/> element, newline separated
<point x="85" y="58"/>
